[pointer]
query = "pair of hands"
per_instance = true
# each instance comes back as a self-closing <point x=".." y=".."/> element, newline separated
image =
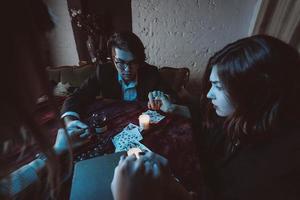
<point x="157" y="100"/>
<point x="78" y="131"/>
<point x="140" y="178"/>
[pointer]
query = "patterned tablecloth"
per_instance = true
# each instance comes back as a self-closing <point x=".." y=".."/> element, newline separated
<point x="172" y="137"/>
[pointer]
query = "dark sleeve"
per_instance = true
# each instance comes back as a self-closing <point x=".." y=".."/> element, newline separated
<point x="265" y="170"/>
<point x="83" y="96"/>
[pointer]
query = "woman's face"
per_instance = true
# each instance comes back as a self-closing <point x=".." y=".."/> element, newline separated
<point x="219" y="96"/>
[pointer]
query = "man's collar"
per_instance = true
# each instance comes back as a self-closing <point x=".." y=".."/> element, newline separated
<point x="131" y="83"/>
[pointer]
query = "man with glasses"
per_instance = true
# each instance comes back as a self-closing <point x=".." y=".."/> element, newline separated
<point x="127" y="77"/>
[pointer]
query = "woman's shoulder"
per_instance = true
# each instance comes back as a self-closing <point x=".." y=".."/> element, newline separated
<point x="287" y="138"/>
<point x="270" y="164"/>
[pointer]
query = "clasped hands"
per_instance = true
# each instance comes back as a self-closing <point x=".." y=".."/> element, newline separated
<point x="140" y="178"/>
<point x="78" y="131"/>
<point x="157" y="100"/>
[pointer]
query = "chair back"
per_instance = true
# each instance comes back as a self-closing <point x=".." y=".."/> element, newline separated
<point x="74" y="75"/>
<point x="177" y="78"/>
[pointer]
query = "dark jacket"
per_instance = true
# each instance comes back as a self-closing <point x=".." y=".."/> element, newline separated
<point x="266" y="169"/>
<point x="105" y="82"/>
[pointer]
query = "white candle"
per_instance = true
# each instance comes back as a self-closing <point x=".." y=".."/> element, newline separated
<point x="134" y="151"/>
<point x="144" y="121"/>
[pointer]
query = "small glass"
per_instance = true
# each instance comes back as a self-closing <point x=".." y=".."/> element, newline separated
<point x="99" y="122"/>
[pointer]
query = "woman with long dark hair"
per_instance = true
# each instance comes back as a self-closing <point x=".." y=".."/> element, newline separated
<point x="248" y="121"/>
<point x="22" y="81"/>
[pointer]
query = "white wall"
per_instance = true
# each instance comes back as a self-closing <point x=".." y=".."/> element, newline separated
<point x="187" y="32"/>
<point x="175" y="32"/>
<point x="63" y="47"/>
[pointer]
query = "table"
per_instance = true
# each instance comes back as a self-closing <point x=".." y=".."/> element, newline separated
<point x="172" y="138"/>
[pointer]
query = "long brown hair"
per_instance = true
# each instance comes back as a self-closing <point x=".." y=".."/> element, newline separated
<point x="23" y="79"/>
<point x="260" y="74"/>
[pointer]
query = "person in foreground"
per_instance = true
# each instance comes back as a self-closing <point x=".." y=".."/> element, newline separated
<point x="21" y="126"/>
<point x="127" y="77"/>
<point x="21" y="129"/>
<point x="248" y="129"/>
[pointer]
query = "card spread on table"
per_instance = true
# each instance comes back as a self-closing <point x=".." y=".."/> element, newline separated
<point x="155" y="117"/>
<point x="128" y="138"/>
<point x="125" y="136"/>
<point x="132" y="126"/>
<point x="131" y="144"/>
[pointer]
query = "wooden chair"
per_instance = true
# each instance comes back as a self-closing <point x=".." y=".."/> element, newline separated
<point x="177" y="78"/>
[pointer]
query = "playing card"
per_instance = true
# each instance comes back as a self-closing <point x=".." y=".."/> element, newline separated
<point x="130" y="133"/>
<point x="155" y="117"/>
<point x="131" y="126"/>
<point x="131" y="144"/>
<point x="116" y="141"/>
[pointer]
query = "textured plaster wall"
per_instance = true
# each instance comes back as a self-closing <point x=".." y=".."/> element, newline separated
<point x="187" y="32"/>
<point x="62" y="43"/>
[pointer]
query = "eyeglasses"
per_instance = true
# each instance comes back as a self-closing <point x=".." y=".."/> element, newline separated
<point x="121" y="64"/>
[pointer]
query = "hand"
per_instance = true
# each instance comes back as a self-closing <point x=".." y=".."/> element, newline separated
<point x="77" y="125"/>
<point x="139" y="178"/>
<point x="159" y="101"/>
<point x="63" y="141"/>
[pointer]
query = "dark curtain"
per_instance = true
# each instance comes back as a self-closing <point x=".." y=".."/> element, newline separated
<point x="280" y="19"/>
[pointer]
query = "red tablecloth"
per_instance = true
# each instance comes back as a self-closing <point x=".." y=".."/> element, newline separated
<point x="172" y="137"/>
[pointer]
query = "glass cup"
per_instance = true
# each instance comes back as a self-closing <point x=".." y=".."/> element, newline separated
<point x="99" y="122"/>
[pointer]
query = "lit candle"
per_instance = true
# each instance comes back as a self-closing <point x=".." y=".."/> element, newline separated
<point x="144" y="121"/>
<point x="134" y="151"/>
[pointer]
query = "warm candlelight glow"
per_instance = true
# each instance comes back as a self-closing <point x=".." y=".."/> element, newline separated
<point x="144" y="121"/>
<point x="134" y="151"/>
